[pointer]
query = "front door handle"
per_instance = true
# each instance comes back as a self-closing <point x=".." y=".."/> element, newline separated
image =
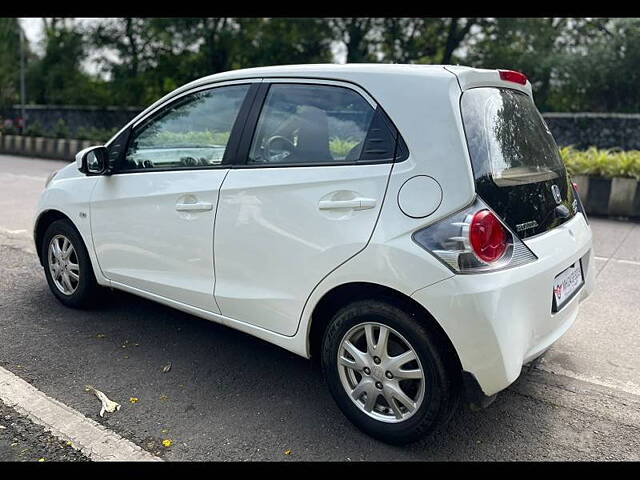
<point x="355" y="204"/>
<point x="194" y="207"/>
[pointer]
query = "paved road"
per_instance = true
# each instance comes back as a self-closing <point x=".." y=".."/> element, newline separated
<point x="229" y="396"/>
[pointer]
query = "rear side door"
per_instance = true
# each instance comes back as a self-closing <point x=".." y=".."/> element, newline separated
<point x="312" y="172"/>
<point x="152" y="220"/>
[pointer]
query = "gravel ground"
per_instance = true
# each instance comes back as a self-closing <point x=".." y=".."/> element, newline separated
<point x="23" y="441"/>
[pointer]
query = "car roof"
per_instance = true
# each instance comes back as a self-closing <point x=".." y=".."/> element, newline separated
<point x="324" y="69"/>
<point x="468" y="77"/>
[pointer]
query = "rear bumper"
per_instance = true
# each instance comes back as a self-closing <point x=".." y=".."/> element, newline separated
<point x="500" y="321"/>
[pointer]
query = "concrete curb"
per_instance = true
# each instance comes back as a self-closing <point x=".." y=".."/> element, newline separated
<point x="92" y="439"/>
<point x="53" y="148"/>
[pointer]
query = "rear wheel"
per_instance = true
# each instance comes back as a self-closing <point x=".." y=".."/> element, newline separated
<point x="67" y="265"/>
<point x="386" y="373"/>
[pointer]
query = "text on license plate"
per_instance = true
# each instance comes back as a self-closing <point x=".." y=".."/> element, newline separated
<point x="566" y="284"/>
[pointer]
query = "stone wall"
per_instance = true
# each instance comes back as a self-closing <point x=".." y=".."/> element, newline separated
<point x="47" y="116"/>
<point x="603" y="130"/>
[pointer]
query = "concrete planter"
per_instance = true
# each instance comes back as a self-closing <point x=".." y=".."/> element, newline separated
<point x="582" y="182"/>
<point x="597" y="201"/>
<point x="623" y="193"/>
<point x="28" y="145"/>
<point x="62" y="148"/>
<point x="616" y="197"/>
<point x="19" y="143"/>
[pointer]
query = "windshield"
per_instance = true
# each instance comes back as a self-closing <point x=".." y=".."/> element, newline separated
<point x="516" y="163"/>
<point x="508" y="139"/>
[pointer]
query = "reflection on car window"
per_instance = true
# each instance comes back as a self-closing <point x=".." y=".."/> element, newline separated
<point x="310" y="124"/>
<point x="508" y="138"/>
<point x="193" y="132"/>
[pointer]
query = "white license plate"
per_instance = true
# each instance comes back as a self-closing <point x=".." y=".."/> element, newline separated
<point x="566" y="284"/>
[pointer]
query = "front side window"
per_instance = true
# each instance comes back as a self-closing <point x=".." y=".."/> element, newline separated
<point x="311" y="124"/>
<point x="192" y="132"/>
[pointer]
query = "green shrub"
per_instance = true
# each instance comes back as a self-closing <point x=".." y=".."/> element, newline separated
<point x="606" y="163"/>
<point x="60" y="129"/>
<point x="34" y="129"/>
<point x="95" y="134"/>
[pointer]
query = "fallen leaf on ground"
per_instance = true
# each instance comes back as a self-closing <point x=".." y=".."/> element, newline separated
<point x="287" y="452"/>
<point x="166" y="443"/>
<point x="133" y="399"/>
<point x="166" y="368"/>
<point x="41" y="459"/>
<point x="107" y="405"/>
<point x="100" y="335"/>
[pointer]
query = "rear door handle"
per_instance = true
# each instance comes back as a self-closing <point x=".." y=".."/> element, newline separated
<point x="355" y="204"/>
<point x="194" y="207"/>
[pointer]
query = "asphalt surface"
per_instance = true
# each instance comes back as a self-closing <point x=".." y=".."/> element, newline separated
<point x="23" y="441"/>
<point x="229" y="396"/>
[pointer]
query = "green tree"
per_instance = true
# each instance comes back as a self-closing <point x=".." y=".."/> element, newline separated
<point x="57" y="77"/>
<point x="128" y="47"/>
<point x="9" y="61"/>
<point x="424" y="40"/>
<point x="281" y="41"/>
<point x="601" y="71"/>
<point x="538" y="47"/>
<point x="360" y="36"/>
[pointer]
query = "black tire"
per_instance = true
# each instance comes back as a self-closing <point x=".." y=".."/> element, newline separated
<point x="86" y="292"/>
<point x="442" y="380"/>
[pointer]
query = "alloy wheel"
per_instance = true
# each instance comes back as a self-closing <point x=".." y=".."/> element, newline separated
<point x="63" y="264"/>
<point x="381" y="372"/>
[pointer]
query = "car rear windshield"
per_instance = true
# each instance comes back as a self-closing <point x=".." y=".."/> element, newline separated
<point x="508" y="139"/>
<point x="516" y="163"/>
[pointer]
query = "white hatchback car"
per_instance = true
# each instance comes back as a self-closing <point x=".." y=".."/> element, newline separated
<point x="411" y="227"/>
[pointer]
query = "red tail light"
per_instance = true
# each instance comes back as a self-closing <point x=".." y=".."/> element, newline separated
<point x="474" y="240"/>
<point x="487" y="236"/>
<point x="513" y="76"/>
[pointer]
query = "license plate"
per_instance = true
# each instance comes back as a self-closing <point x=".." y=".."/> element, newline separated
<point x="566" y="285"/>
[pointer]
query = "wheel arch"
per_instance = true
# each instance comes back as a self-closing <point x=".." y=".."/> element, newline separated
<point x="45" y="219"/>
<point x="344" y="294"/>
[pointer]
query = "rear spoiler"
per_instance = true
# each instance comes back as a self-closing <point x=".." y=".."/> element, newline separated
<point x="480" y="77"/>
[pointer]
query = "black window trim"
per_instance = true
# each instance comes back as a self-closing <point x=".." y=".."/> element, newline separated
<point x="242" y="154"/>
<point x="234" y="138"/>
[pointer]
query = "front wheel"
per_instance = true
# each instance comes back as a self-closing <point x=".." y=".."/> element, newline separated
<point x="67" y="265"/>
<point x="386" y="373"/>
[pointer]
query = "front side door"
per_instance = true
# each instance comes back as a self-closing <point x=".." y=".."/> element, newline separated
<point x="305" y="200"/>
<point x="152" y="220"/>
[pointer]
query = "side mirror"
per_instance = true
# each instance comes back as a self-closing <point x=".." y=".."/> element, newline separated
<point x="93" y="160"/>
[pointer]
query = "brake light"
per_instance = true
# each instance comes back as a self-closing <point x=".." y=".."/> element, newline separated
<point x="487" y="236"/>
<point x="513" y="76"/>
<point x="474" y="240"/>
